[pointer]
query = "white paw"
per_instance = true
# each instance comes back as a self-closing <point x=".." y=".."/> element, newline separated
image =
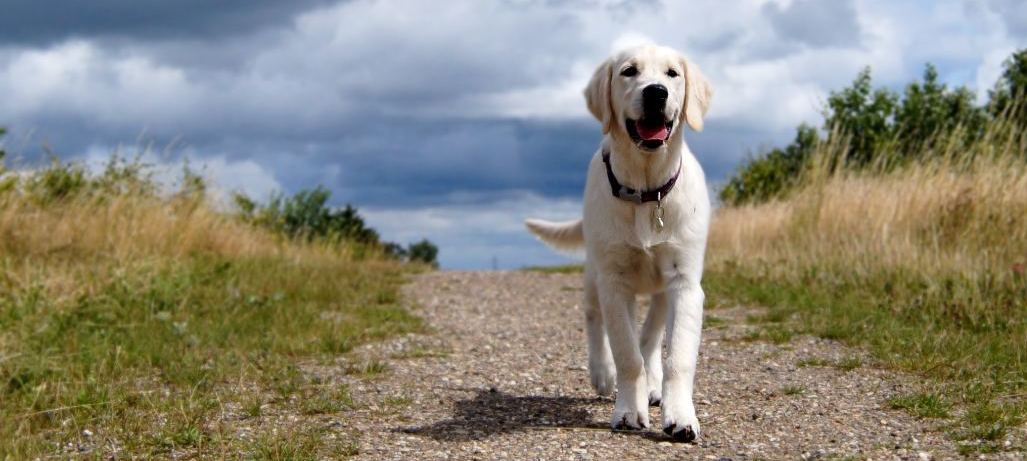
<point x="631" y="411"/>
<point x="629" y="418"/>
<point x="604" y="377"/>
<point x="679" y="419"/>
<point x="655" y="397"/>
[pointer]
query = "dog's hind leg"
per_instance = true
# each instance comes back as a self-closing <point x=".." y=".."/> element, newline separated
<point x="652" y="347"/>
<point x="600" y="361"/>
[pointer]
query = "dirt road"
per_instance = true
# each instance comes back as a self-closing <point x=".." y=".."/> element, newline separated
<point x="501" y="376"/>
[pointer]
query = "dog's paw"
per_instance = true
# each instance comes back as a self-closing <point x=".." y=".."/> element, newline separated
<point x="655" y="387"/>
<point x="604" y="378"/>
<point x="630" y="419"/>
<point x="679" y="421"/>
<point x="655" y="397"/>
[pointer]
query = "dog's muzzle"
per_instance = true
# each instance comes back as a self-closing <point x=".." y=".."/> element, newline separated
<point x="653" y="129"/>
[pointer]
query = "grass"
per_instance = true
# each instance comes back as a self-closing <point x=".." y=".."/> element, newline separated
<point x="922" y="264"/>
<point x="139" y="318"/>
<point x="564" y="269"/>
<point x="420" y="352"/>
<point x="369" y="369"/>
<point x="846" y="364"/>
<point x="814" y="362"/>
<point x="793" y="390"/>
<point x="922" y="405"/>
<point x="776" y="334"/>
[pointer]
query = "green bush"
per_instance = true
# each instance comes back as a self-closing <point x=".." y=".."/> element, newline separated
<point x="1011" y="90"/>
<point x="772" y="173"/>
<point x="881" y="128"/>
<point x="307" y="215"/>
<point x="424" y="252"/>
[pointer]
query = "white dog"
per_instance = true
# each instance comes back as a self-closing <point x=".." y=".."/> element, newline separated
<point x="644" y="231"/>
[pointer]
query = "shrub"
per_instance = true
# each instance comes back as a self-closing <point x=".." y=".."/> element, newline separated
<point x="424" y="252"/>
<point x="772" y="173"/>
<point x="883" y="129"/>
<point x="306" y="215"/>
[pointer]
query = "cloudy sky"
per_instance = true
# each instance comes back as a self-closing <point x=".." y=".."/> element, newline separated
<point x="452" y="121"/>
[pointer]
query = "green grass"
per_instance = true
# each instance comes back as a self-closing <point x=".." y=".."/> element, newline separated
<point x="420" y="352"/>
<point x="712" y="321"/>
<point x="777" y="334"/>
<point x="143" y="356"/>
<point x="849" y="363"/>
<point x="921" y="405"/>
<point x="793" y="390"/>
<point x="368" y="369"/>
<point x="814" y="362"/>
<point x="564" y="269"/>
<point x="958" y="333"/>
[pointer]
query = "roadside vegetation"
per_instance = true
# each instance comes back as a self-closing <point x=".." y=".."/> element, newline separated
<point x="900" y="226"/>
<point x="136" y="322"/>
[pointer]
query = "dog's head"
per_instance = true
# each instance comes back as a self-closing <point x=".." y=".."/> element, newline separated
<point x="645" y="93"/>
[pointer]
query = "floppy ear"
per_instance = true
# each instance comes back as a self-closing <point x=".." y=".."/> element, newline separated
<point x="697" y="96"/>
<point x="597" y="95"/>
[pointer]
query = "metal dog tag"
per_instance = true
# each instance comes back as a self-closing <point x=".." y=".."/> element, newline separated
<point x="658" y="213"/>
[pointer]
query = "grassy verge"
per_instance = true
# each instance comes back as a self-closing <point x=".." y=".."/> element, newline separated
<point x="562" y="269"/>
<point x="131" y="324"/>
<point x="922" y="264"/>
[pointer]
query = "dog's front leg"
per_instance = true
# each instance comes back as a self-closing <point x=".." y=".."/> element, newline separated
<point x="631" y="410"/>
<point x="683" y="329"/>
<point x="652" y="346"/>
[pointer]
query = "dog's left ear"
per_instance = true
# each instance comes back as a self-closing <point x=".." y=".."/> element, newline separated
<point x="697" y="95"/>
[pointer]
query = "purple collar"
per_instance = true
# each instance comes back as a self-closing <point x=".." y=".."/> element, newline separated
<point x="631" y="195"/>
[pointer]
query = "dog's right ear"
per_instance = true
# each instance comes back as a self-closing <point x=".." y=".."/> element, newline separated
<point x="597" y="95"/>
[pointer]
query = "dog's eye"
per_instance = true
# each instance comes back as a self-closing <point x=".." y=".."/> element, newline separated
<point x="629" y="71"/>
<point x="672" y="73"/>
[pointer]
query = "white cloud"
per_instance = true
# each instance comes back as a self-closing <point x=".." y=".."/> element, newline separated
<point x="359" y="59"/>
<point x="337" y="86"/>
<point x="471" y="235"/>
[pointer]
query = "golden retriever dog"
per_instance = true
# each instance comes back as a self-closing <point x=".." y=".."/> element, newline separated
<point x="646" y="214"/>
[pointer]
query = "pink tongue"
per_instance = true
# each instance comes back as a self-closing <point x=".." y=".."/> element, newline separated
<point x="649" y="133"/>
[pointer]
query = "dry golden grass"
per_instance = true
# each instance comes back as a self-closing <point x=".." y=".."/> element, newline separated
<point x="126" y="228"/>
<point x="923" y="263"/>
<point x="129" y="322"/>
<point x="933" y="218"/>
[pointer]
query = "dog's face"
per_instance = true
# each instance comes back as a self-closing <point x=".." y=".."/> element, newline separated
<point x="644" y="94"/>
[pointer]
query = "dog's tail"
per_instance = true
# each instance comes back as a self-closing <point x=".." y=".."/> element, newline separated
<point x="567" y="235"/>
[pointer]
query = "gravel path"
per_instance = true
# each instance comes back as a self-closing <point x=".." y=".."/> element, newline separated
<point x="501" y="376"/>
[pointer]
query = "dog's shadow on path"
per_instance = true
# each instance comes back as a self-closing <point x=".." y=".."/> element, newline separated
<point x="492" y="412"/>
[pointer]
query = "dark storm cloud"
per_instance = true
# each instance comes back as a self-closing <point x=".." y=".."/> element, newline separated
<point x="32" y="22"/>
<point x="816" y="23"/>
<point x="468" y="113"/>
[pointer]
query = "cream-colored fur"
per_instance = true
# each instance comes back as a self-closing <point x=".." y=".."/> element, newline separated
<point x="627" y="254"/>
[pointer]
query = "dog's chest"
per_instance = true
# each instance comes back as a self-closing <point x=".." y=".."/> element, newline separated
<point x="646" y="270"/>
<point x="647" y="225"/>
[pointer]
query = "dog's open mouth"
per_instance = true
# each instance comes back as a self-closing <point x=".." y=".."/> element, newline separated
<point x="649" y="133"/>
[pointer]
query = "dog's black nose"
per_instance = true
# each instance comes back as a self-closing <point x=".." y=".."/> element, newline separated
<point x="654" y="97"/>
